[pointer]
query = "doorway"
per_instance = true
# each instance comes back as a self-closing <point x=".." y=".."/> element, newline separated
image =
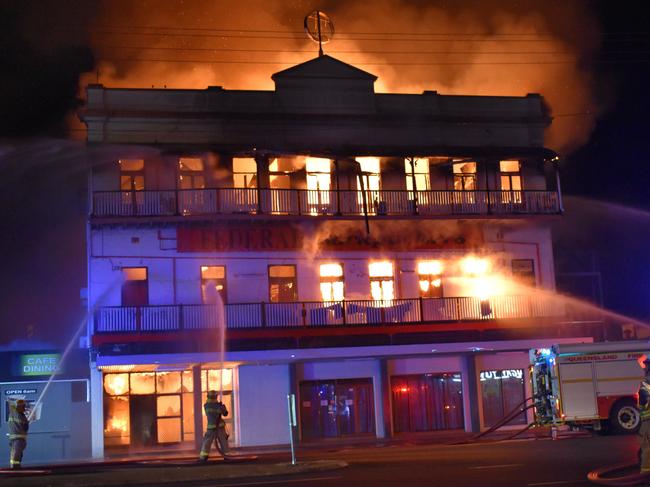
<point x="337" y="408"/>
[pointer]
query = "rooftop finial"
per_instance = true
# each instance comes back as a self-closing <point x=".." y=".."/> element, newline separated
<point x="319" y="28"/>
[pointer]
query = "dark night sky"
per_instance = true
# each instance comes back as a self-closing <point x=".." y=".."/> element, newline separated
<point x="43" y="49"/>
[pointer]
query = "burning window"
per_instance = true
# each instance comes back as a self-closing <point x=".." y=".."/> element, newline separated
<point x="331" y="282"/>
<point x="116" y="384"/>
<point x="190" y="173"/>
<point x="282" y="283"/>
<point x="244" y="172"/>
<point x="464" y="176"/>
<point x="430" y="278"/>
<point x="213" y="280"/>
<point x="319" y="180"/>
<point x="417" y="174"/>
<point x="131" y="174"/>
<point x="143" y="383"/>
<point x="116" y="420"/>
<point x="382" y="284"/>
<point x="168" y="382"/>
<point x="280" y="170"/>
<point x="510" y="181"/>
<point x="370" y="173"/>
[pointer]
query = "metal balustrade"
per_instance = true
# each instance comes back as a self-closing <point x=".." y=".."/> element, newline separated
<point x="352" y="313"/>
<point x="303" y="202"/>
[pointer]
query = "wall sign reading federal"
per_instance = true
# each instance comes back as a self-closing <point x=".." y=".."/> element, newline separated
<point x="238" y="237"/>
<point x="39" y="364"/>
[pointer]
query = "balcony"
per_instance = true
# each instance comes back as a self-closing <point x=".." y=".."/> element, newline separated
<point x="356" y="314"/>
<point x="315" y="203"/>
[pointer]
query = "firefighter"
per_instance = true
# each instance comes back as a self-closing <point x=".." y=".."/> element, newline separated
<point x="18" y="427"/>
<point x="644" y="409"/>
<point x="216" y="430"/>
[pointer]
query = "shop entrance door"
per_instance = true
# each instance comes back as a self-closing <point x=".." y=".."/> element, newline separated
<point x="142" y="411"/>
<point x="336" y="408"/>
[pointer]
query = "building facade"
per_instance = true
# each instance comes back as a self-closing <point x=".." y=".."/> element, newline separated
<point x="384" y="257"/>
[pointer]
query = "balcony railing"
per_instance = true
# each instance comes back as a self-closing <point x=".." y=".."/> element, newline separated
<point x="353" y="313"/>
<point x="316" y="202"/>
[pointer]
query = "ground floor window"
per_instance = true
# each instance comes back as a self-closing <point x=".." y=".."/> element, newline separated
<point x="334" y="408"/>
<point x="502" y="391"/>
<point x="148" y="408"/>
<point x="427" y="402"/>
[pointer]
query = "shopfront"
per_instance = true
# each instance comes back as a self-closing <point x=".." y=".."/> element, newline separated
<point x="337" y="408"/>
<point x="427" y="402"/>
<point x="502" y="390"/>
<point x="145" y="409"/>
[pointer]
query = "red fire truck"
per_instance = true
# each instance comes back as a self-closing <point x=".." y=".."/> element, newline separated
<point x="589" y="384"/>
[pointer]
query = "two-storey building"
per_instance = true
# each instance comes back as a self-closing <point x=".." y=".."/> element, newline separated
<point x="385" y="257"/>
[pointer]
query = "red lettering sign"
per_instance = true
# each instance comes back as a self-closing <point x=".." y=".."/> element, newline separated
<point x="238" y="237"/>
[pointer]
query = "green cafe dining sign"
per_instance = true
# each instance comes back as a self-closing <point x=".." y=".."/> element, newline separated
<point x="39" y="364"/>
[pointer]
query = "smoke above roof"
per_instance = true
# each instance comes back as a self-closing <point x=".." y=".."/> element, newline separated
<point x="487" y="47"/>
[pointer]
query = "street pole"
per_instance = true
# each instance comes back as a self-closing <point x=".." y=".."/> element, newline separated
<point x="291" y="406"/>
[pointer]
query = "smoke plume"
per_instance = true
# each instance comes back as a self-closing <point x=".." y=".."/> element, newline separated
<point x="486" y="47"/>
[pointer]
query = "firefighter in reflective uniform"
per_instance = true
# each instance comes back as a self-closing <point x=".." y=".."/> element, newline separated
<point x="216" y="430"/>
<point x="644" y="409"/>
<point x="18" y="427"/>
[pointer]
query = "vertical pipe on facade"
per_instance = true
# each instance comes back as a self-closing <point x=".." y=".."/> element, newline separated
<point x="198" y="406"/>
<point x="487" y="187"/>
<point x="338" y="187"/>
<point x="259" y="163"/>
<point x="558" y="187"/>
<point x="384" y="385"/>
<point x="415" y="188"/>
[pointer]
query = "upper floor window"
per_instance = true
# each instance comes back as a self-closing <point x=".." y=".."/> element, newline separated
<point x="523" y="271"/>
<point x="190" y="173"/>
<point x="319" y="180"/>
<point x="417" y="174"/>
<point x="382" y="280"/>
<point x="244" y="172"/>
<point x="370" y="174"/>
<point x="331" y="282"/>
<point x="430" y="278"/>
<point x="319" y="173"/>
<point x="280" y="170"/>
<point x="213" y="281"/>
<point x="131" y="174"/>
<point x="510" y="172"/>
<point x="464" y="176"/>
<point x="282" y="283"/>
<point x="135" y="287"/>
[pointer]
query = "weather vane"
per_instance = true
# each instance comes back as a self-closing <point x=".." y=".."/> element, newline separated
<point x="319" y="28"/>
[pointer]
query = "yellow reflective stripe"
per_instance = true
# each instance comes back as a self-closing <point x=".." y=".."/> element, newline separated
<point x="14" y="462"/>
<point x="17" y="437"/>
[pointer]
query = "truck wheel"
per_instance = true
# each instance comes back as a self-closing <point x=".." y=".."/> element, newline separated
<point x="624" y="418"/>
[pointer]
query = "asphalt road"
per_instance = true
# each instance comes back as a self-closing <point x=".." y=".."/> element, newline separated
<point x="526" y="463"/>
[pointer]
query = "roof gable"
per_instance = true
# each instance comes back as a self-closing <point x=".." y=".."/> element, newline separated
<point x="324" y="67"/>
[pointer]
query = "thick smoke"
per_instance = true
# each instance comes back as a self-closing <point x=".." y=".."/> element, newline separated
<point x="486" y="47"/>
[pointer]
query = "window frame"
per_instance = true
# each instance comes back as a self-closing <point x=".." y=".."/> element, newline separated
<point x="223" y="281"/>
<point x="271" y="279"/>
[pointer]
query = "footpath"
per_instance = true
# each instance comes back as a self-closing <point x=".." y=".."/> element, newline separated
<point x="183" y="469"/>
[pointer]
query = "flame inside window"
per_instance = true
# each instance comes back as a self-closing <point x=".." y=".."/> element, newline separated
<point x="475" y="266"/>
<point x="382" y="285"/>
<point x="331" y="285"/>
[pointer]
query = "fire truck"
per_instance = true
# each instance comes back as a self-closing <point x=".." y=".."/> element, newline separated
<point x="590" y="384"/>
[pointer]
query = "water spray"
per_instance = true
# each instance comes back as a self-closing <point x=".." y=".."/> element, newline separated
<point x="69" y="347"/>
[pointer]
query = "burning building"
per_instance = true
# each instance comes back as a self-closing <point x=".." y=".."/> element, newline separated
<point x="384" y="257"/>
